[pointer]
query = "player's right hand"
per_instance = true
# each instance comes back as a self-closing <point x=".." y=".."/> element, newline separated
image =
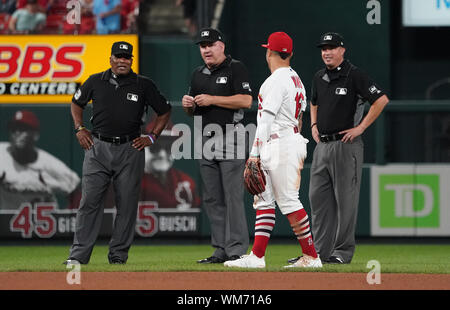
<point x="85" y="139"/>
<point x="187" y="101"/>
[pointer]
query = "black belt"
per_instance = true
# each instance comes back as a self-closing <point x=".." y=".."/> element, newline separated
<point x="330" y="138"/>
<point x="115" y="140"/>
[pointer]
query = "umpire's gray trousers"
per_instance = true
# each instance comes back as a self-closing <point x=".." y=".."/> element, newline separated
<point x="334" y="195"/>
<point x="124" y="166"/>
<point x="223" y="200"/>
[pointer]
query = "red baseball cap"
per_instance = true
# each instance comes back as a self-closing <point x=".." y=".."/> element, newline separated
<point x="24" y="117"/>
<point x="279" y="42"/>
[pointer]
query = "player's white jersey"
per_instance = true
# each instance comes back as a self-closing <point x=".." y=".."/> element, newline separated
<point x="283" y="94"/>
<point x="34" y="182"/>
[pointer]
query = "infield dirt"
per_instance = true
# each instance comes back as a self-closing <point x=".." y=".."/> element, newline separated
<point x="220" y="281"/>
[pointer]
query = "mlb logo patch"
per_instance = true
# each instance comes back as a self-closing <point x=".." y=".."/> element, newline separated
<point x="205" y="33"/>
<point x="132" y="97"/>
<point x="327" y="38"/>
<point x="222" y="80"/>
<point x="123" y="47"/>
<point x="373" y="89"/>
<point x="341" y="91"/>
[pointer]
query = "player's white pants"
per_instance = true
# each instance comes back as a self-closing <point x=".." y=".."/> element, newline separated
<point x="282" y="159"/>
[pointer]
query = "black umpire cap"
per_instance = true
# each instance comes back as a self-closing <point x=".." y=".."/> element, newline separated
<point x="122" y="48"/>
<point x="209" y="35"/>
<point x="332" y="39"/>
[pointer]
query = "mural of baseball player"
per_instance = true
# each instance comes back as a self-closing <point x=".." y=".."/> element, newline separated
<point x="29" y="174"/>
<point x="162" y="183"/>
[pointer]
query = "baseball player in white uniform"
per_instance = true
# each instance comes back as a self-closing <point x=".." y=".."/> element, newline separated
<point x="27" y="173"/>
<point x="281" y="149"/>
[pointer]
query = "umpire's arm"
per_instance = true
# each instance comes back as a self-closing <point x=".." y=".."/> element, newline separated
<point x="238" y="101"/>
<point x="314" y="130"/>
<point x="83" y="135"/>
<point x="161" y="123"/>
<point x="375" y="110"/>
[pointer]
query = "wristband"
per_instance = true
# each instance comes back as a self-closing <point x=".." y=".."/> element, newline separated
<point x="152" y="137"/>
<point x="314" y="124"/>
<point x="79" y="128"/>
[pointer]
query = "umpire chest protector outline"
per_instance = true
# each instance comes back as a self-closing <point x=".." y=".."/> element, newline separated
<point x="342" y="93"/>
<point x="334" y="90"/>
<point x="222" y="80"/>
<point x="119" y="103"/>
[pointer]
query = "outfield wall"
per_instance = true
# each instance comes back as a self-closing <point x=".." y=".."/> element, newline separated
<point x="397" y="198"/>
<point x="412" y="136"/>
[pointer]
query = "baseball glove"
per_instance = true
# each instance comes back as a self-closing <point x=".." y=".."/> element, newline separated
<point x="254" y="178"/>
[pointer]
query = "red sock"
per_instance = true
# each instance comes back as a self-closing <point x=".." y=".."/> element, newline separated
<point x="265" y="221"/>
<point x="300" y="225"/>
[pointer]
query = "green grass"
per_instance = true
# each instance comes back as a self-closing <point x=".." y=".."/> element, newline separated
<point x="393" y="258"/>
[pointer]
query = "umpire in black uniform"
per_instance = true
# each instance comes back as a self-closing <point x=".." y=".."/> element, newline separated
<point x="113" y="150"/>
<point x="339" y="92"/>
<point x="219" y="92"/>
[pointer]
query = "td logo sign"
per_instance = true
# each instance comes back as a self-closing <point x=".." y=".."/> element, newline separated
<point x="408" y="200"/>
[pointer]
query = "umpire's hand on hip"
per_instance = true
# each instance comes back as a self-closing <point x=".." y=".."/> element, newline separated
<point x="85" y="138"/>
<point x="351" y="134"/>
<point x="141" y="142"/>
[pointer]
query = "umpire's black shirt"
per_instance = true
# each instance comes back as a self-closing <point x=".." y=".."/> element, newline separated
<point x="227" y="79"/>
<point x="340" y="95"/>
<point x="118" y="102"/>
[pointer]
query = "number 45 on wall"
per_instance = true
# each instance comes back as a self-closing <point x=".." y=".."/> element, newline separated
<point x="38" y="220"/>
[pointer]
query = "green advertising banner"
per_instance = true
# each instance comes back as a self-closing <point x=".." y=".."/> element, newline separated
<point x="410" y="200"/>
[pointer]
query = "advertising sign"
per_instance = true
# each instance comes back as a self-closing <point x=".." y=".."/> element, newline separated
<point x="426" y="13"/>
<point x="410" y="200"/>
<point x="49" y="68"/>
<point x="46" y="221"/>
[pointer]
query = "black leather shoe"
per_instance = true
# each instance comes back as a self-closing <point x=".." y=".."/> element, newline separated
<point x="117" y="261"/>
<point x="233" y="257"/>
<point x="294" y="259"/>
<point x="211" y="260"/>
<point x="334" y="260"/>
